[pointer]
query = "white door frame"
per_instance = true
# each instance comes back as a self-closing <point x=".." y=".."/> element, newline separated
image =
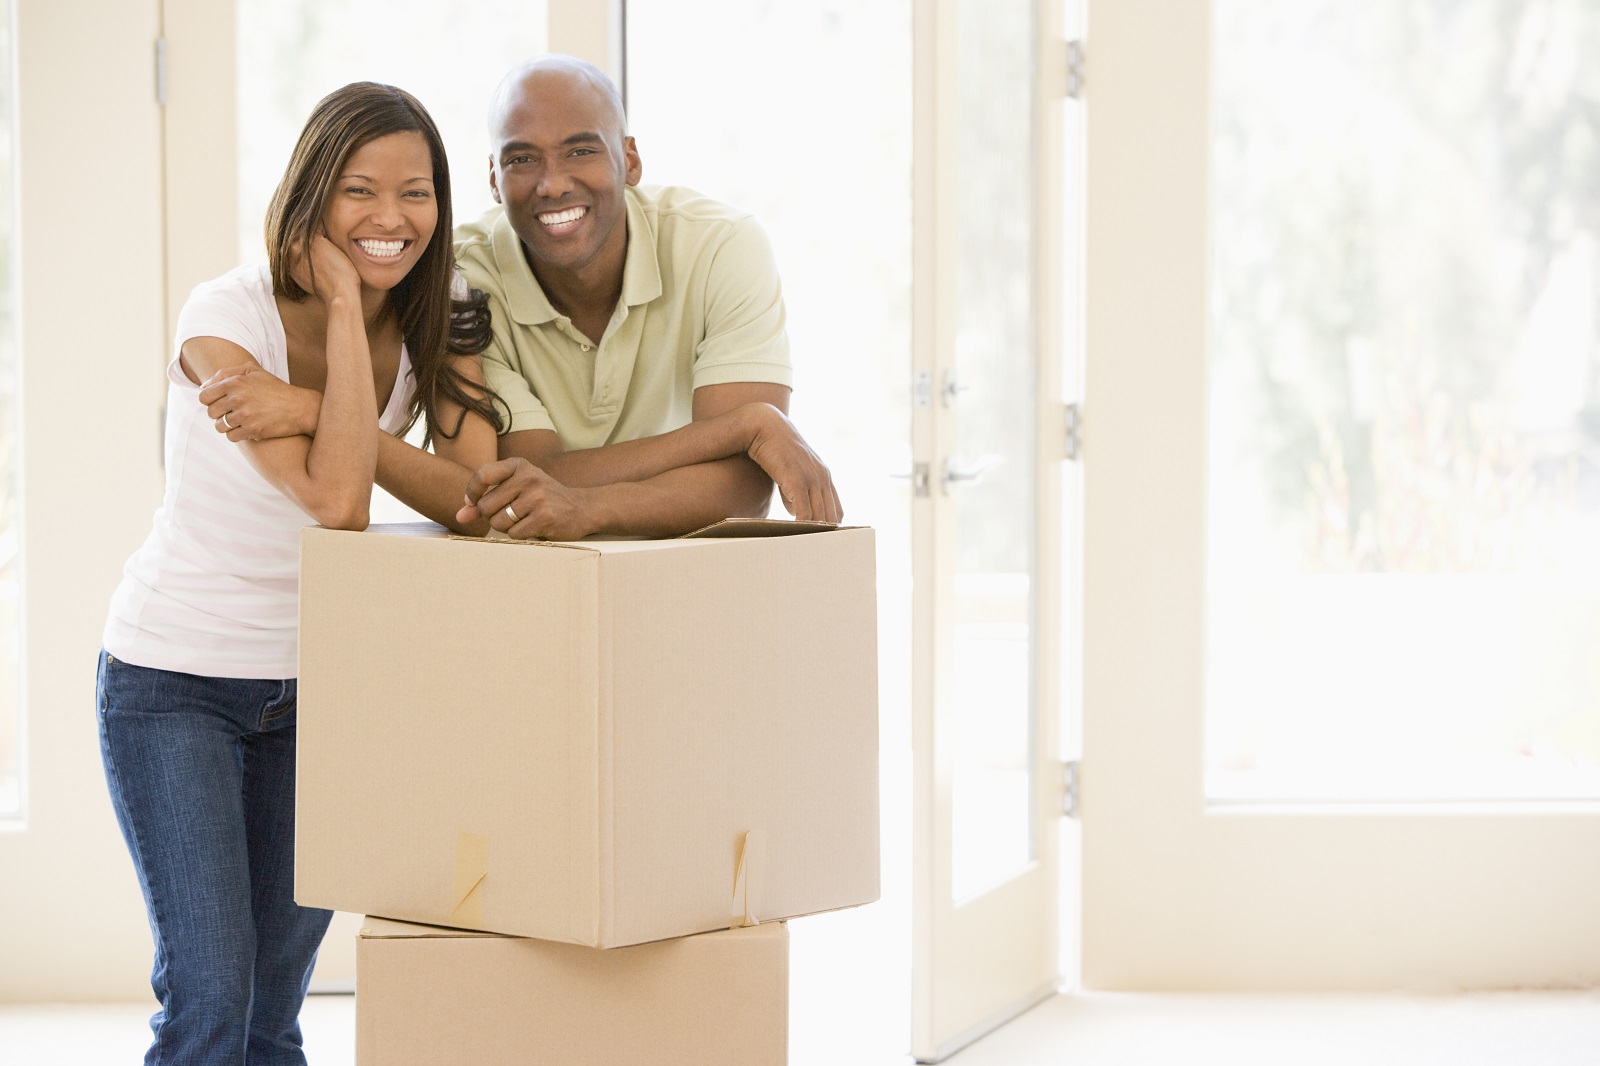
<point x="979" y="964"/>
<point x="1176" y="896"/>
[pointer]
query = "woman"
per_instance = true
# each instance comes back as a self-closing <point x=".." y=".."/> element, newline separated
<point x="196" y="686"/>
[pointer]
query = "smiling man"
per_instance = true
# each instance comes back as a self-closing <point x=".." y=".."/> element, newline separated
<point x="639" y="341"/>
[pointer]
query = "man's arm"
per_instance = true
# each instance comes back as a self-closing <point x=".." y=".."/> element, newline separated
<point x="721" y="465"/>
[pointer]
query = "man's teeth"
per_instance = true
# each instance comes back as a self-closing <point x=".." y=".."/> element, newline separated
<point x="382" y="248"/>
<point x="556" y="218"/>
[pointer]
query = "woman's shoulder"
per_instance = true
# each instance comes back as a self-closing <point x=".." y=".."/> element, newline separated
<point x="237" y="307"/>
<point x="249" y="285"/>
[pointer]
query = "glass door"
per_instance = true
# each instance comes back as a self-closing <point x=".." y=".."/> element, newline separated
<point x="987" y="386"/>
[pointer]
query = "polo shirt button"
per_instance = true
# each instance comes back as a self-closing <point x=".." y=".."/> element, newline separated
<point x="585" y="347"/>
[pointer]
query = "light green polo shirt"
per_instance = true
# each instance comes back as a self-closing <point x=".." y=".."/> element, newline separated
<point x="701" y="305"/>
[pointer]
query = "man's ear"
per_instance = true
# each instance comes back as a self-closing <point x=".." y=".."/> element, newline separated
<point x="630" y="154"/>
<point x="494" y="182"/>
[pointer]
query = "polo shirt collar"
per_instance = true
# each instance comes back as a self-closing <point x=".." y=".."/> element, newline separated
<point x="641" y="272"/>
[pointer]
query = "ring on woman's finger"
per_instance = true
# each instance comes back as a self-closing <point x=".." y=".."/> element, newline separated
<point x="225" y="421"/>
<point x="510" y="513"/>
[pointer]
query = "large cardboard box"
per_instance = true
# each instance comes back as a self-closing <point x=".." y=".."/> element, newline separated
<point x="440" y="997"/>
<point x="602" y="743"/>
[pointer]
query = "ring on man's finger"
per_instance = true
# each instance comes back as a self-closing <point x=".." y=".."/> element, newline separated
<point x="510" y="513"/>
<point x="225" y="421"/>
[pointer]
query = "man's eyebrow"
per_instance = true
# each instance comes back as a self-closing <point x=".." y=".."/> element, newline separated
<point x="587" y="137"/>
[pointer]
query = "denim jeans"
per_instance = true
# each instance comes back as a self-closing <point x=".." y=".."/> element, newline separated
<point x="201" y="772"/>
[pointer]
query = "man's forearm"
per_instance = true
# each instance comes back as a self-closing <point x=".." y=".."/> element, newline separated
<point x="681" y="500"/>
<point x="703" y="441"/>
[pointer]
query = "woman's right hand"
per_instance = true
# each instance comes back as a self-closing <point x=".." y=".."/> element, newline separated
<point x="330" y="274"/>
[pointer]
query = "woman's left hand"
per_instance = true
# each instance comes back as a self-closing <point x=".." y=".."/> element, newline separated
<point x="247" y="403"/>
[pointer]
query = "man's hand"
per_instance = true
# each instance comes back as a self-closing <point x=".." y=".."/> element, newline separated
<point x="247" y="403"/>
<point x="804" y="482"/>
<point x="524" y="502"/>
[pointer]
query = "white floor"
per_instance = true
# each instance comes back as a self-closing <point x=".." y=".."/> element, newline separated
<point x="1096" y="1029"/>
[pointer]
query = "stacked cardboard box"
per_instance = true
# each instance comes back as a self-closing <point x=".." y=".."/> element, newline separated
<point x="601" y="744"/>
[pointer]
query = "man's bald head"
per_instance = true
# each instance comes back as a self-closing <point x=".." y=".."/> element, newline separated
<point x="556" y="75"/>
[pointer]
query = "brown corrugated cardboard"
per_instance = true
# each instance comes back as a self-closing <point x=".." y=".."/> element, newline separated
<point x="438" y="997"/>
<point x="602" y="743"/>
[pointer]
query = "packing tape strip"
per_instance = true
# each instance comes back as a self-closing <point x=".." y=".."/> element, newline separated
<point x="472" y="866"/>
<point x="747" y="874"/>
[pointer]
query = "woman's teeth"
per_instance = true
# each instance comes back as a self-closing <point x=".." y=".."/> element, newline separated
<point x="382" y="249"/>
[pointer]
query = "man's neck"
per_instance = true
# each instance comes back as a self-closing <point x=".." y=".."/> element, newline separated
<point x="589" y="295"/>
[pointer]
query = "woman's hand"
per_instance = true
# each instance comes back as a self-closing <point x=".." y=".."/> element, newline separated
<point x="327" y="271"/>
<point x="247" y="403"/>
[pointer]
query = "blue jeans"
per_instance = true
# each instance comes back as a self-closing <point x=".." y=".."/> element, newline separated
<point x="201" y="771"/>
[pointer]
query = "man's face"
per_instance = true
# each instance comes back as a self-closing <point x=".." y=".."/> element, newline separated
<point x="559" y="166"/>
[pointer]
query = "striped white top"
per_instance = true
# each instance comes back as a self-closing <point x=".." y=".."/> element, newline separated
<point x="214" y="590"/>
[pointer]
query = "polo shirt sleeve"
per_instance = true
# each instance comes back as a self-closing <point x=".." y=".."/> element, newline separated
<point x="744" y="338"/>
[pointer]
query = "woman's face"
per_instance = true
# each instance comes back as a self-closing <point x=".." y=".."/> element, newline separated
<point x="381" y="211"/>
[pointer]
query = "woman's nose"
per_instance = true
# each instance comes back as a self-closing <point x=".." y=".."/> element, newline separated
<point x="386" y="213"/>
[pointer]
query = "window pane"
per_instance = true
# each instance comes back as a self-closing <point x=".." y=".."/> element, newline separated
<point x="294" y="52"/>
<point x="1405" y="410"/>
<point x="10" y="689"/>
<point x="992" y="396"/>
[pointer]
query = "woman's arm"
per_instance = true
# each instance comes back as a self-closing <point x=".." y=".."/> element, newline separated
<point x="435" y="483"/>
<point x="330" y="474"/>
<point x="260" y="407"/>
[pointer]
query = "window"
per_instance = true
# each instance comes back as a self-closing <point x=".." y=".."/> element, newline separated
<point x="1405" y="408"/>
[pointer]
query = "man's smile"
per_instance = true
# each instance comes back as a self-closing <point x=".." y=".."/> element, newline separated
<point x="562" y="221"/>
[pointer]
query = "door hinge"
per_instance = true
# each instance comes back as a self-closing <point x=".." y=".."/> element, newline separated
<point x="161" y="72"/>
<point x="1069" y="788"/>
<point x="1066" y="70"/>
<point x="1075" y="70"/>
<point x="1072" y="432"/>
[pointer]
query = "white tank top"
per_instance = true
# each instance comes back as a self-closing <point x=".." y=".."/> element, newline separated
<point x="214" y="590"/>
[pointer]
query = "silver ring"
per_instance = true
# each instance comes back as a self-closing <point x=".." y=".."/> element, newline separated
<point x="510" y="513"/>
<point x="225" y="421"/>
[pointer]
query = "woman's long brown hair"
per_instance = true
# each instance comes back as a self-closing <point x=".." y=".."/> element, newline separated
<point x="435" y="326"/>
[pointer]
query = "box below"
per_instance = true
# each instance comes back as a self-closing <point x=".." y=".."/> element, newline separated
<point x="428" y="996"/>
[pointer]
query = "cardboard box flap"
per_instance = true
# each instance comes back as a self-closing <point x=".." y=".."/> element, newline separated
<point x="374" y="928"/>
<point x="760" y="527"/>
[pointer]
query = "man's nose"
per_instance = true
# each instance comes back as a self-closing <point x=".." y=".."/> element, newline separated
<point x="554" y="182"/>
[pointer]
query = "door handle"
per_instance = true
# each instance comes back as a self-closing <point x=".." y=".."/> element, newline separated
<point x="950" y="472"/>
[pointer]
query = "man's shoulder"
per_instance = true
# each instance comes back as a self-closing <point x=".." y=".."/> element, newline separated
<point x="474" y="245"/>
<point x="679" y="207"/>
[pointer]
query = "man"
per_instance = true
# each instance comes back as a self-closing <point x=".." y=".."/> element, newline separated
<point x="638" y="334"/>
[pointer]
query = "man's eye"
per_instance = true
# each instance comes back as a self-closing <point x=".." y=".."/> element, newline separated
<point x="517" y="160"/>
